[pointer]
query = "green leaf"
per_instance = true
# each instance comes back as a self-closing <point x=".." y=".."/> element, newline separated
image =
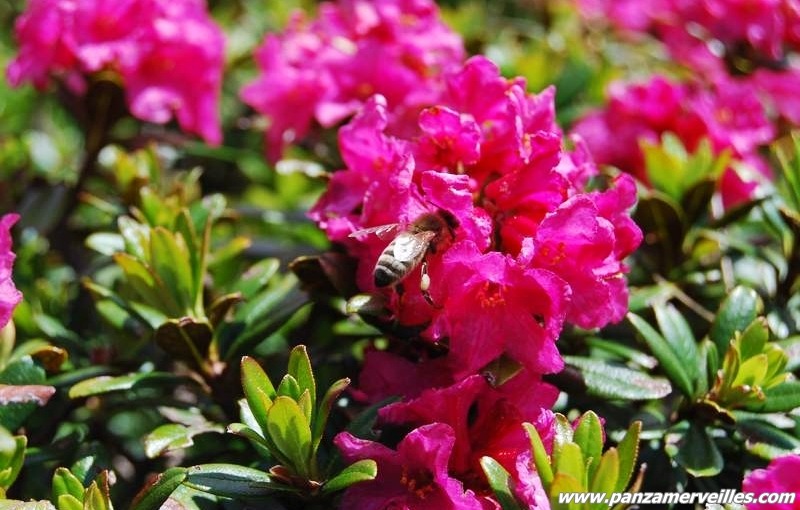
<point x="265" y="314"/>
<point x="174" y="436"/>
<point x="324" y="410"/>
<point x="563" y="435"/>
<point x="69" y="502"/>
<point x="67" y="484"/>
<point x="678" y="334"/>
<point x="360" y="471"/>
<point x="589" y="437"/>
<point x="570" y="461"/>
<point x="540" y="459"/>
<point x="615" y="382"/>
<point x="564" y="483"/>
<point x="672" y="366"/>
<point x="231" y="480"/>
<point x="752" y="372"/>
<point x="20" y="372"/>
<point x="170" y="260"/>
<point x="781" y="398"/>
<point x="96" y="499"/>
<point x="258" y="390"/>
<point x="628" y="450"/>
<point x="155" y="494"/>
<point x="12" y="455"/>
<point x="289" y="387"/>
<point x="262" y="443"/>
<point x="108" y="384"/>
<point x="186" y="339"/>
<point x="739" y="309"/>
<point x="290" y="432"/>
<point x="754" y="338"/>
<point x="607" y="477"/>
<point x="698" y="453"/>
<point x="500" y="482"/>
<point x="300" y="369"/>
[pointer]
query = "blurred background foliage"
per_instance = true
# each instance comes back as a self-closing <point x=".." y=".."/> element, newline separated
<point x="143" y="386"/>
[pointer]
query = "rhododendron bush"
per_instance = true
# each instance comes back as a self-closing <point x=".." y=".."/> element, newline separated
<point x="397" y="253"/>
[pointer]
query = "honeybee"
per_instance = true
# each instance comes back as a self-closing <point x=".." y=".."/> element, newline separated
<point x="408" y="248"/>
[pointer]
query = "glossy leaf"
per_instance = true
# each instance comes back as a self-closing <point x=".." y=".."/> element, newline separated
<point x="589" y="438"/>
<point x="290" y="432"/>
<point x="678" y="334"/>
<point x="540" y="458"/>
<point x="564" y="483"/>
<point x="67" y="484"/>
<point x="108" y="384"/>
<point x="782" y="398"/>
<point x="616" y="382"/>
<point x="500" y="482"/>
<point x="174" y="436"/>
<point x="698" y="453"/>
<point x="231" y="480"/>
<point x="300" y="369"/>
<point x="154" y="495"/>
<point x="672" y="366"/>
<point x="628" y="450"/>
<point x="607" y="476"/>
<point x="258" y="390"/>
<point x="739" y="309"/>
<point x="360" y="471"/>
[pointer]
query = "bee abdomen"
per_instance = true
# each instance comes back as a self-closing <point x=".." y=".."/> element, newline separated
<point x="389" y="271"/>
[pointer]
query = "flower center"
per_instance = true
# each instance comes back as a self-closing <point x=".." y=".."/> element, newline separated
<point x="490" y="295"/>
<point x="418" y="482"/>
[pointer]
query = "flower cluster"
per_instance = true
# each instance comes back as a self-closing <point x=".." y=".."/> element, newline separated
<point x="779" y="477"/>
<point x="9" y="295"/>
<point x="749" y="41"/>
<point x="521" y="248"/>
<point x="168" y="55"/>
<point x="729" y="116"/>
<point x="324" y="69"/>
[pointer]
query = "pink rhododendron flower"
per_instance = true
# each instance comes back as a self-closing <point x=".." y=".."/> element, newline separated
<point x="168" y="55"/>
<point x="413" y="476"/>
<point x="486" y="420"/>
<point x="9" y="295"/>
<point x="531" y="247"/>
<point x="779" y="476"/>
<point x="747" y="41"/>
<point x="324" y="69"/>
<point x="729" y="116"/>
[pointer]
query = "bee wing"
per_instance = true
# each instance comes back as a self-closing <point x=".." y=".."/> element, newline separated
<point x="408" y="247"/>
<point x="384" y="232"/>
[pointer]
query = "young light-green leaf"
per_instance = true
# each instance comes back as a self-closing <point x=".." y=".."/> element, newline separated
<point x="540" y="459"/>
<point x="289" y="430"/>
<point x="66" y="484"/>
<point x="628" y="450"/>
<point x="359" y="471"/>
<point x="500" y="482"/>
<point x="589" y="437"/>
<point x="300" y="369"/>
<point x="739" y="309"/>
<point x="258" y="390"/>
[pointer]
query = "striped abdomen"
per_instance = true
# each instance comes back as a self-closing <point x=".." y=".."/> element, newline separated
<point x="400" y="257"/>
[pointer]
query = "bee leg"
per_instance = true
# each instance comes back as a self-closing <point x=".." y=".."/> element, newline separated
<point x="425" y="284"/>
